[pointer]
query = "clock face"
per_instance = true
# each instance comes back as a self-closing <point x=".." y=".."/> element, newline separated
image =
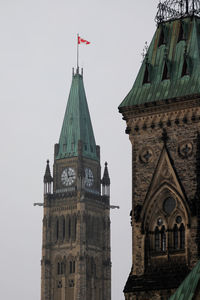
<point x="68" y="176"/>
<point x="89" y="178"/>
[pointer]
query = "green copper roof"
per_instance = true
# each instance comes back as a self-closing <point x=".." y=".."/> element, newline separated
<point x="171" y="67"/>
<point x="77" y="124"/>
<point x="187" y="289"/>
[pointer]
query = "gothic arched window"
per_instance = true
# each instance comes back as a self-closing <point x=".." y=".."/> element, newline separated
<point x="58" y="268"/>
<point x="57" y="229"/>
<point x="175" y="236"/>
<point x="69" y="228"/>
<point x="182" y="236"/>
<point x="163" y="239"/>
<point x="157" y="239"/>
<point x="63" y="229"/>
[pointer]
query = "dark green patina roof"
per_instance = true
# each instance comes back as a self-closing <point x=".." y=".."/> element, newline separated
<point x="77" y="124"/>
<point x="187" y="289"/>
<point x="175" y="48"/>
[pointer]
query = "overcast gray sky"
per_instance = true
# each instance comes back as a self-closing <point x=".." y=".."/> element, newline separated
<point x="37" y="53"/>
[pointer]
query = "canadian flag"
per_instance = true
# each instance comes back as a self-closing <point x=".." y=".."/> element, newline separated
<point x="82" y="41"/>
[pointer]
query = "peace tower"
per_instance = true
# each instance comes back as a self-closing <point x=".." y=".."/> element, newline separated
<point x="75" y="261"/>
<point x="162" y="114"/>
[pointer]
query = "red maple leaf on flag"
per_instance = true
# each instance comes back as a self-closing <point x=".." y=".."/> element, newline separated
<point x="82" y="41"/>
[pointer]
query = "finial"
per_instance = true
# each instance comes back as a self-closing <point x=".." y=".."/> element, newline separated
<point x="106" y="164"/>
<point x="144" y="52"/>
<point x="47" y="161"/>
<point x="77" y="70"/>
<point x="72" y="72"/>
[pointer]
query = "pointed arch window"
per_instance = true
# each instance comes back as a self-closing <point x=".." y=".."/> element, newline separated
<point x="182" y="236"/>
<point x="175" y="236"/>
<point x="163" y="239"/>
<point x="57" y="229"/>
<point x="63" y="229"/>
<point x="69" y="228"/>
<point x="157" y="239"/>
<point x="58" y="268"/>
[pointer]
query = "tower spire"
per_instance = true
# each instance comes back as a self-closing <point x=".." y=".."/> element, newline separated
<point x="77" y="125"/>
<point x="47" y="179"/>
<point x="105" y="181"/>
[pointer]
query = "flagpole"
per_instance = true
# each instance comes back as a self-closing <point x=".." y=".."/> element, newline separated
<point x="77" y="53"/>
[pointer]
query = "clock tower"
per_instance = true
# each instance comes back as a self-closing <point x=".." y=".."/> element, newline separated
<point x="76" y="225"/>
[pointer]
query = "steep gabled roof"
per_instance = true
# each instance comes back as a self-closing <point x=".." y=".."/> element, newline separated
<point x="187" y="290"/>
<point x="77" y="124"/>
<point x="170" y="51"/>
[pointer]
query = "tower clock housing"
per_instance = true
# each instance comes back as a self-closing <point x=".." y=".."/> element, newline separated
<point x="76" y="225"/>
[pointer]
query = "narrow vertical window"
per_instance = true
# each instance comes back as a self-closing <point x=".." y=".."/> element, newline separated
<point x="69" y="228"/>
<point x="163" y="239"/>
<point x="157" y="239"/>
<point x="62" y="268"/>
<point x="63" y="231"/>
<point x="74" y="266"/>
<point x="58" y="268"/>
<point x="57" y="229"/>
<point x="75" y="222"/>
<point x="182" y="236"/>
<point x="175" y="236"/>
<point x="70" y="267"/>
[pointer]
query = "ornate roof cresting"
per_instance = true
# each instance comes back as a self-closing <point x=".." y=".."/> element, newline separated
<point x="175" y="9"/>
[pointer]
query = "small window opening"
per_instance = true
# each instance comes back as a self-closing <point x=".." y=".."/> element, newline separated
<point x="58" y="268"/>
<point x="182" y="237"/>
<point x="63" y="229"/>
<point x="157" y="239"/>
<point x="163" y="239"/>
<point x="59" y="284"/>
<point x="69" y="229"/>
<point x="181" y="34"/>
<point x="72" y="266"/>
<point x="161" y="38"/>
<point x="62" y="268"/>
<point x="175" y="233"/>
<point x="146" y="78"/>
<point x="185" y="69"/>
<point x="57" y="229"/>
<point x="165" y="72"/>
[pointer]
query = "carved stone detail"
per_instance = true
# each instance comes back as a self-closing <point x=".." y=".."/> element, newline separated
<point x="185" y="149"/>
<point x="146" y="155"/>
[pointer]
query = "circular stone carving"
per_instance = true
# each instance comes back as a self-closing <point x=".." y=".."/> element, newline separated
<point x="169" y="204"/>
<point x="185" y="149"/>
<point x="178" y="219"/>
<point x="146" y="155"/>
